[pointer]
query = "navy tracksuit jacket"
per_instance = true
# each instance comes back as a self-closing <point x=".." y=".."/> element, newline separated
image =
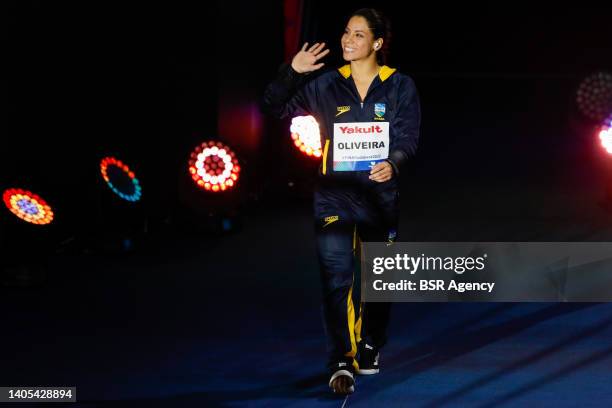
<point x="348" y="205"/>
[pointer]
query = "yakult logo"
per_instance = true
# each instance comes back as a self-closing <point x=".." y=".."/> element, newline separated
<point x="359" y="145"/>
<point x="357" y="129"/>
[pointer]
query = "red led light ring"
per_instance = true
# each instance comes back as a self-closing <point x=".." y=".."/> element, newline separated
<point x="214" y="167"/>
<point x="28" y="206"/>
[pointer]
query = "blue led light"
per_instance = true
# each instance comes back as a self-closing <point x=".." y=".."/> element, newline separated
<point x="27" y="206"/>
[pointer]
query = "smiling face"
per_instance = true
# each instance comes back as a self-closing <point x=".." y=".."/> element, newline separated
<point x="358" y="41"/>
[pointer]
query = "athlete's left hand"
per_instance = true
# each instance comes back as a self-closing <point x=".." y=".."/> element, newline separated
<point x="381" y="172"/>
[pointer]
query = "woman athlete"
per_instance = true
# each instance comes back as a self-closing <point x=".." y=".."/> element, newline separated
<point x="369" y="117"/>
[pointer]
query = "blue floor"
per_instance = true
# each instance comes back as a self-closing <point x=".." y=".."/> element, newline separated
<point x="232" y="322"/>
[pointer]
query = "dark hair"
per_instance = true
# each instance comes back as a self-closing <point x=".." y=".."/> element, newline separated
<point x="380" y="27"/>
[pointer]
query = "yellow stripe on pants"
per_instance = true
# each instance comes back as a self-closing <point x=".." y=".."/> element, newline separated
<point x="354" y="328"/>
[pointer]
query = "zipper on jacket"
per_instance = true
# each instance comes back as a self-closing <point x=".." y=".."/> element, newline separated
<point x="371" y="89"/>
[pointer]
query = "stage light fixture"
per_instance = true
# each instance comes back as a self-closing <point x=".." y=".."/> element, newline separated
<point x="120" y="179"/>
<point x="605" y="135"/>
<point x="594" y="96"/>
<point x="214" y="167"/>
<point x="306" y="135"/>
<point x="28" y="206"/>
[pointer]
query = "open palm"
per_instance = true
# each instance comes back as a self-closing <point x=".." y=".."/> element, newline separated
<point x="306" y="59"/>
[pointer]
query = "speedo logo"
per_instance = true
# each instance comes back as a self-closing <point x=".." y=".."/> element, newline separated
<point x="358" y="129"/>
<point x="330" y="219"/>
<point x="342" y="109"/>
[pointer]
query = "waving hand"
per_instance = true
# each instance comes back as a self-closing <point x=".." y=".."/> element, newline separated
<point x="306" y="59"/>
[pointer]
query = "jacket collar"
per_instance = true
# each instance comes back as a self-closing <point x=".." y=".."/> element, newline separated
<point x="385" y="72"/>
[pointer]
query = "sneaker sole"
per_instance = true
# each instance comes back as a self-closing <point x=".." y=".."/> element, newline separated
<point x="340" y="373"/>
<point x="369" y="371"/>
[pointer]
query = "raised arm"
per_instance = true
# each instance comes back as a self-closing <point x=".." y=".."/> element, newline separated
<point x="287" y="95"/>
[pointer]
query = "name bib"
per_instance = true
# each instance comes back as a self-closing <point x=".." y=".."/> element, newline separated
<point x="359" y="146"/>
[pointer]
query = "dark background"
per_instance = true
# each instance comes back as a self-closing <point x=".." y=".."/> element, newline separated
<point x="146" y="83"/>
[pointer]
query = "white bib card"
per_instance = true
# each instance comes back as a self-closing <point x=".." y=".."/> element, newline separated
<point x="360" y="145"/>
